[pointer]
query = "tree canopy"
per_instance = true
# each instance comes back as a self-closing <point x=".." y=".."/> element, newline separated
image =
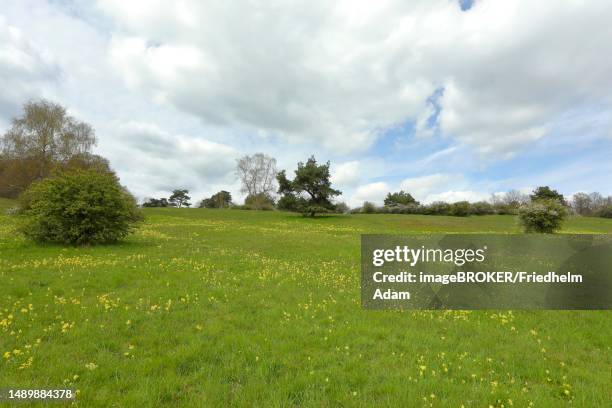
<point x="257" y="173"/>
<point x="179" y="198"/>
<point x="222" y="199"/>
<point x="546" y="193"/>
<point x="400" y="198"/>
<point x="311" y="187"/>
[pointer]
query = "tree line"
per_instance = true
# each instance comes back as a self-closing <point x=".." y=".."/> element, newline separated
<point x="45" y="140"/>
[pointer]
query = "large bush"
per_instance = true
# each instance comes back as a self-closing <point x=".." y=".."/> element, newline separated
<point x="79" y="207"/>
<point x="260" y="201"/>
<point x="605" y="211"/>
<point x="482" y="208"/>
<point x="437" y="208"/>
<point x="545" y="216"/>
<point x="460" y="209"/>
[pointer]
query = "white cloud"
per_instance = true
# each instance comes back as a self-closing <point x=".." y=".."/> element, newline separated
<point x="373" y="192"/>
<point x="23" y="69"/>
<point x="340" y="73"/>
<point x="347" y="174"/>
<point x="421" y="187"/>
<point x="326" y="78"/>
<point x="453" y="196"/>
<point x="168" y="161"/>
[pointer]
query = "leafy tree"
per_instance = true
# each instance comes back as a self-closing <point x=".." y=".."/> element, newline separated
<point x="313" y="181"/>
<point x="222" y="199"/>
<point x="400" y="198"/>
<point x="78" y="207"/>
<point x="156" y="202"/>
<point x="257" y="173"/>
<point x="368" y="207"/>
<point x="460" y="209"/>
<point x="546" y="193"/>
<point x="42" y="139"/>
<point x="290" y="202"/>
<point x="542" y="215"/>
<point x="179" y="198"/>
<point x="582" y="204"/>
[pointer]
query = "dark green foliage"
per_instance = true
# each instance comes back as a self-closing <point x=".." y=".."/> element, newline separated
<point x="312" y="181"/>
<point x="400" y="198"/>
<point x="261" y="201"/>
<point x="79" y="207"/>
<point x="544" y="216"/>
<point x="437" y="208"/>
<point x="368" y="208"/>
<point x="546" y="193"/>
<point x="179" y="198"/>
<point x="505" y="209"/>
<point x="157" y="202"/>
<point x="290" y="202"/>
<point x="460" y="209"/>
<point x="222" y="199"/>
<point x="482" y="208"/>
<point x="605" y="211"/>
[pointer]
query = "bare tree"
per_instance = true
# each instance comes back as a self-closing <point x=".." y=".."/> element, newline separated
<point x="43" y="138"/>
<point x="257" y="173"/>
<point x="45" y="135"/>
<point x="515" y="198"/>
<point x="582" y="203"/>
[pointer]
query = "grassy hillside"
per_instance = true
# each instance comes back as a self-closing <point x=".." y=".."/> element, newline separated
<point x="220" y="307"/>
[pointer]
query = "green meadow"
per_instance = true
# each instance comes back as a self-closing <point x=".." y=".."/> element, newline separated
<point x="250" y="308"/>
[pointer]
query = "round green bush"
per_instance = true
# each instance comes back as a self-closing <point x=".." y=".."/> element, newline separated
<point x="545" y="216"/>
<point x="79" y="207"/>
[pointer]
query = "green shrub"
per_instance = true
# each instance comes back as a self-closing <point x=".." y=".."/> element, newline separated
<point x="368" y="208"/>
<point x="79" y="207"/>
<point x="437" y="208"/>
<point x="261" y="201"/>
<point x="291" y="202"/>
<point x="505" y="209"/>
<point x="605" y="211"/>
<point x="460" y="209"/>
<point x="482" y="208"/>
<point x="543" y="215"/>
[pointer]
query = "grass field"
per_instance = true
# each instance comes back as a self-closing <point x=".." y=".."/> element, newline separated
<point x="225" y="307"/>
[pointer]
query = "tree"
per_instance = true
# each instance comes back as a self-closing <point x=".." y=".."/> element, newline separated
<point x="460" y="209"/>
<point x="582" y="204"/>
<point x="313" y="181"/>
<point x="222" y="199"/>
<point x="44" y="138"/>
<point x="400" y="198"/>
<point x="542" y="215"/>
<point x="78" y="207"/>
<point x="156" y="202"/>
<point x="179" y="198"/>
<point x="257" y="173"/>
<point x="546" y="193"/>
<point x="482" y="208"/>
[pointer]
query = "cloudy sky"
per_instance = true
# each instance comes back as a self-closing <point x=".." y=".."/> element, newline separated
<point x="446" y="99"/>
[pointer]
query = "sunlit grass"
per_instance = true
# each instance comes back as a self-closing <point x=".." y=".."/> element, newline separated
<point x="225" y="307"/>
